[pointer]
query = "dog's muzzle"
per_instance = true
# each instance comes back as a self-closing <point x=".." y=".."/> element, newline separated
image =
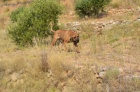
<point x="74" y="39"/>
<point x="77" y="40"/>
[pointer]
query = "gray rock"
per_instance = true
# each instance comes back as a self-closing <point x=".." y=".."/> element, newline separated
<point x="102" y="74"/>
<point x="14" y="77"/>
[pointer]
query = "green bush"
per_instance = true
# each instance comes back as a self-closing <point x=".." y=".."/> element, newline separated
<point x="5" y="0"/>
<point x="34" y="21"/>
<point x="90" y="7"/>
<point x="14" y="14"/>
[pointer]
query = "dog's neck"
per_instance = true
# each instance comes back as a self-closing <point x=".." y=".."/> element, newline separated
<point x="71" y="39"/>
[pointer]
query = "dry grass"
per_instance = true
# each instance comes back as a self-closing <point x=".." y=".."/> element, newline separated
<point x="74" y="72"/>
<point x="124" y="3"/>
<point x="12" y="1"/>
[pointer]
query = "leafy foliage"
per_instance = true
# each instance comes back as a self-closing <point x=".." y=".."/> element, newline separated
<point x="14" y="14"/>
<point x="34" y="21"/>
<point x="90" y="7"/>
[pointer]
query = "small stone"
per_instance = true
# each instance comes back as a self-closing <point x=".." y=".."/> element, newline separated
<point x="121" y="70"/>
<point x="22" y="81"/>
<point x="14" y="77"/>
<point x="70" y="74"/>
<point x="102" y="74"/>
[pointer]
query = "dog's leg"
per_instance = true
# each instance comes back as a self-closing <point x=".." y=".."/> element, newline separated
<point x="53" y="43"/>
<point x="62" y="47"/>
<point x="76" y="47"/>
<point x="60" y="44"/>
<point x="64" y="44"/>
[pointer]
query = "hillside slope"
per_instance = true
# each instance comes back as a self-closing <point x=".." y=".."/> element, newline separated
<point x="108" y="62"/>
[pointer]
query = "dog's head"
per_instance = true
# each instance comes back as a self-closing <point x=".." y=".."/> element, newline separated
<point x="75" y="38"/>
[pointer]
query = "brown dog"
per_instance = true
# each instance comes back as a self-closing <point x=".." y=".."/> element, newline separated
<point x="66" y="36"/>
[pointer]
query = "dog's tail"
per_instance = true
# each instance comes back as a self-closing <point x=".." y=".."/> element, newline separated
<point x="51" y="25"/>
<point x="52" y="30"/>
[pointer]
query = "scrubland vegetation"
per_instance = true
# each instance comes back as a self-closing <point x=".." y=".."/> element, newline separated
<point x="109" y="60"/>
